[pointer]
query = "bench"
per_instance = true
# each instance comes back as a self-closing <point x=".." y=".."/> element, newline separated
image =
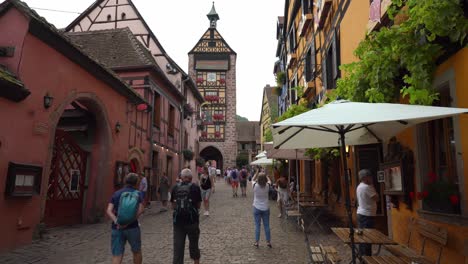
<point x="427" y="231"/>
<point x="320" y="254"/>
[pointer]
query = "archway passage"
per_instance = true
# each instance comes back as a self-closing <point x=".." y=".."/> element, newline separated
<point x="212" y="153"/>
<point x="75" y="137"/>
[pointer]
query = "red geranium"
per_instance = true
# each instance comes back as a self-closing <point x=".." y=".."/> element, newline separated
<point x="411" y="195"/>
<point x="425" y="194"/>
<point x="199" y="80"/>
<point x="419" y="195"/>
<point x="454" y="199"/>
<point x="432" y="177"/>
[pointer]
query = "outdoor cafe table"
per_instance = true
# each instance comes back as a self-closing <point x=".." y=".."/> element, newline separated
<point x="369" y="236"/>
<point x="391" y="260"/>
<point x="313" y="210"/>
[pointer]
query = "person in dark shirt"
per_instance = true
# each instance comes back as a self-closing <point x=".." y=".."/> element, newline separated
<point x="131" y="232"/>
<point x="184" y="227"/>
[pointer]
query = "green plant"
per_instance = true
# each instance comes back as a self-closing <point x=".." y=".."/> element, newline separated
<point x="323" y="153"/>
<point x="278" y="90"/>
<point x="200" y="162"/>
<point x="268" y="136"/>
<point x="400" y="60"/>
<point x="299" y="91"/>
<point x="242" y="160"/>
<point x="293" y="110"/>
<point x="280" y="78"/>
<point x="440" y="195"/>
<point x="188" y="154"/>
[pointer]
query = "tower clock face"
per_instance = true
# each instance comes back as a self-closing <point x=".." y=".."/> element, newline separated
<point x="211" y="77"/>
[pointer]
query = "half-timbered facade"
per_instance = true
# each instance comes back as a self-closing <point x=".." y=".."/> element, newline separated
<point x="168" y="97"/>
<point x="212" y="63"/>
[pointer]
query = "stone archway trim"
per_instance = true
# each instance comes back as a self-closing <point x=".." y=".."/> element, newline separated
<point x="53" y="120"/>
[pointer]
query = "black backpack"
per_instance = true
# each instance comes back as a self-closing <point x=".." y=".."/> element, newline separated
<point x="184" y="212"/>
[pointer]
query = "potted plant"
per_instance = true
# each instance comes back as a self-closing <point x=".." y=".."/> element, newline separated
<point x="188" y="154"/>
<point x="200" y="162"/>
<point x="280" y="78"/>
<point x="217" y="134"/>
<point x="440" y="195"/>
<point x="204" y="133"/>
<point x="199" y="80"/>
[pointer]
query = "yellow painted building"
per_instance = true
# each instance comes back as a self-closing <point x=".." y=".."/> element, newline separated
<point x="319" y="36"/>
<point x="269" y="111"/>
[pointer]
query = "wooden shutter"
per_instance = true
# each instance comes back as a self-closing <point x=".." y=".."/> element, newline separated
<point x="307" y="66"/>
<point x="336" y="55"/>
<point x="324" y="71"/>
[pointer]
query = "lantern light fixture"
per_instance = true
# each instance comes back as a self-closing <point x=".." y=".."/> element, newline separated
<point x="48" y="100"/>
<point x="118" y="127"/>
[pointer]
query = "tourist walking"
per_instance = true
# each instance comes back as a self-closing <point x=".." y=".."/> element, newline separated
<point x="367" y="199"/>
<point x="164" y="191"/>
<point x="234" y="178"/>
<point x="243" y="181"/>
<point x="124" y="208"/>
<point x="261" y="207"/>
<point x="283" y="197"/>
<point x="186" y="201"/>
<point x="143" y="188"/>
<point x="212" y="174"/>
<point x="206" y="183"/>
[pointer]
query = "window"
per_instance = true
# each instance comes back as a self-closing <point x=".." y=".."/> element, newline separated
<point x="306" y="6"/>
<point x="109" y="17"/>
<point x="124" y="16"/>
<point x="292" y="39"/>
<point x="330" y="64"/>
<point x="170" y="130"/>
<point x="310" y="63"/>
<point x="157" y="110"/>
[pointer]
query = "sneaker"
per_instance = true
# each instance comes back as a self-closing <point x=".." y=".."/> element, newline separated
<point x="207" y="213"/>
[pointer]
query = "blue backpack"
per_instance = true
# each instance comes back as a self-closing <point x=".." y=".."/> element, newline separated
<point x="128" y="207"/>
<point x="233" y="174"/>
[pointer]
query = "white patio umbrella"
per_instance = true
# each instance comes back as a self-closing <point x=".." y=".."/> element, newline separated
<point x="344" y="122"/>
<point x="262" y="161"/>
<point x="261" y="155"/>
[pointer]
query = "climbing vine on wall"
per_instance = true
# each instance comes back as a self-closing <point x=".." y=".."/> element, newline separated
<point x="400" y="60"/>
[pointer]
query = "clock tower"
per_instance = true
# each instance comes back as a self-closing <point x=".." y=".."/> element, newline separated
<point x="212" y="64"/>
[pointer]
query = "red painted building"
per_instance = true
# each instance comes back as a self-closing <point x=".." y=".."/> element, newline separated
<point x="70" y="128"/>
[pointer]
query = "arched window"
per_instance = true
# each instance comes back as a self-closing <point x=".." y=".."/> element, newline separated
<point x="123" y="16"/>
<point x="109" y="17"/>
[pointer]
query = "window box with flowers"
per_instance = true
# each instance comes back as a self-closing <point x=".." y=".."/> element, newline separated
<point x="204" y="134"/>
<point x="222" y="81"/>
<point x="439" y="196"/>
<point x="218" y="116"/>
<point x="217" y="134"/>
<point x="199" y="80"/>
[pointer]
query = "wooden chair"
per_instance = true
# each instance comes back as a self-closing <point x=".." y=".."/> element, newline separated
<point x="427" y="231"/>
<point x="320" y="254"/>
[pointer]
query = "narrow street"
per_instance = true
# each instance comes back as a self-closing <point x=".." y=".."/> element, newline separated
<point x="226" y="237"/>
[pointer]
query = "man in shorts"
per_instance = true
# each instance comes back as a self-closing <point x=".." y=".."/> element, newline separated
<point x="282" y="188"/>
<point x="243" y="181"/>
<point x="131" y="232"/>
<point x="234" y="178"/>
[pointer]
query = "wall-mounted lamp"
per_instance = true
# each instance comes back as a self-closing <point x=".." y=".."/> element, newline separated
<point x="286" y="161"/>
<point x="347" y="151"/>
<point x="48" y="100"/>
<point x="118" y="126"/>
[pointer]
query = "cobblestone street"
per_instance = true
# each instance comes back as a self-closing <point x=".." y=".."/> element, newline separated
<point x="226" y="237"/>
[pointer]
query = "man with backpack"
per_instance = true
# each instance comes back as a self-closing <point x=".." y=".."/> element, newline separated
<point x="186" y="201"/>
<point x="243" y="181"/>
<point x="234" y="177"/>
<point x="124" y="208"/>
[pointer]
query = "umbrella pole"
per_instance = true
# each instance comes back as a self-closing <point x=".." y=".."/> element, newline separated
<point x="297" y="182"/>
<point x="347" y="194"/>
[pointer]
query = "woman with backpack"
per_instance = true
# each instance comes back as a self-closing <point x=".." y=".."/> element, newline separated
<point x="261" y="207"/>
<point x="206" y="184"/>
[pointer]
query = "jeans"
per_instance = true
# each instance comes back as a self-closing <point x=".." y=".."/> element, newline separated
<point x="365" y="221"/>
<point x="180" y="232"/>
<point x="264" y="216"/>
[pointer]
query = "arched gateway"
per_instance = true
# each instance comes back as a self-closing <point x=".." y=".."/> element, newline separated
<point x="212" y="153"/>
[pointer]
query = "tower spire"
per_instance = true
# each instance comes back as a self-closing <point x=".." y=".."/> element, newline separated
<point x="213" y="17"/>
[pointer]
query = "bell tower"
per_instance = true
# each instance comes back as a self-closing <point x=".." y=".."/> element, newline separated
<point x="212" y="64"/>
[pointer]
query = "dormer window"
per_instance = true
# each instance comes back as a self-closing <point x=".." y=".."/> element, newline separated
<point x="109" y="17"/>
<point x="124" y="16"/>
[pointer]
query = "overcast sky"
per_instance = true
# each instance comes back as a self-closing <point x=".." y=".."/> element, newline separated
<point x="248" y="26"/>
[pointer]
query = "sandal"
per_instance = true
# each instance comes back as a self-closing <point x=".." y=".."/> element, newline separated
<point x="255" y="245"/>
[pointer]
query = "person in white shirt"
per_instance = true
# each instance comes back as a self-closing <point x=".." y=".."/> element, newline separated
<point x="261" y="207"/>
<point x="367" y="199"/>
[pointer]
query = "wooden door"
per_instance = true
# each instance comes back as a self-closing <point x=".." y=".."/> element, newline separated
<point x="64" y="203"/>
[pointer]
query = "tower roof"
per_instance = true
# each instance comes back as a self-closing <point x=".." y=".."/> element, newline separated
<point x="213" y="16"/>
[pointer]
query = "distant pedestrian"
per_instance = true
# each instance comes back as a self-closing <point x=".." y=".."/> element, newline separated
<point x="243" y="181"/>
<point x="367" y="199"/>
<point x="164" y="191"/>
<point x="282" y="187"/>
<point x="218" y="173"/>
<point x="234" y="178"/>
<point x="143" y="188"/>
<point x="206" y="183"/>
<point x="261" y="207"/>
<point x="186" y="201"/>
<point x="124" y="208"/>
<point x="212" y="174"/>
